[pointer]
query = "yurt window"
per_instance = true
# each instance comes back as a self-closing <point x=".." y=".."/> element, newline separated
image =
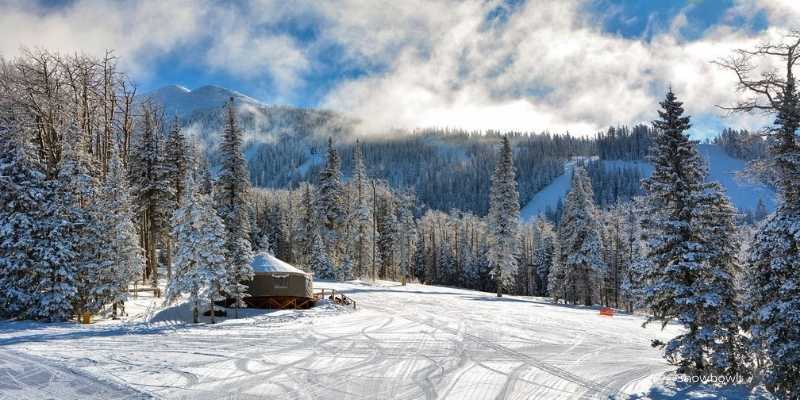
<point x="280" y="281"/>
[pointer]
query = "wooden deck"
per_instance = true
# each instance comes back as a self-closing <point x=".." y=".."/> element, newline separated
<point x="280" y="302"/>
<point x="292" y="302"/>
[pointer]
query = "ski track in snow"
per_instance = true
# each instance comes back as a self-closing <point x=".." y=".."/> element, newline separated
<point x="412" y="342"/>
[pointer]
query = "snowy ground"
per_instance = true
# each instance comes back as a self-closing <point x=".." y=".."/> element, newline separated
<point x="402" y="343"/>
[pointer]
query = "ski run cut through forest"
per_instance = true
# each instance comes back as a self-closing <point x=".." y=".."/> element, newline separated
<point x="201" y="244"/>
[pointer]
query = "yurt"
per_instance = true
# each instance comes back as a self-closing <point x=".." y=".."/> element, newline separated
<point x="276" y="284"/>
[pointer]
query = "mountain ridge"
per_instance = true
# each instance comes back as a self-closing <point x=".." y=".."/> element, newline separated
<point x="181" y="101"/>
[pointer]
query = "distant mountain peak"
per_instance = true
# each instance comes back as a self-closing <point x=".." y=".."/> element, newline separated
<point x="179" y="100"/>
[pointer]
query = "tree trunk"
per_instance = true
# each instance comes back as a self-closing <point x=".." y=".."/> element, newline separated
<point x="153" y="243"/>
<point x="211" y="303"/>
<point x="168" y="249"/>
<point x="499" y="282"/>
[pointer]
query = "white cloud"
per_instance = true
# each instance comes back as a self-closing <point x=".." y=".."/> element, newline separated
<point x="549" y="66"/>
<point x="545" y="65"/>
<point x="140" y="32"/>
<point x="137" y="33"/>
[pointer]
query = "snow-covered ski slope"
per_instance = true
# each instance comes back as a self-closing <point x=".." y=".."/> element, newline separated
<point x="722" y="168"/>
<point x="412" y="342"/>
<point x="550" y="194"/>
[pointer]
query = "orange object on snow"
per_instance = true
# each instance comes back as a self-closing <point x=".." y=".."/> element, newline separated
<point x="607" y="311"/>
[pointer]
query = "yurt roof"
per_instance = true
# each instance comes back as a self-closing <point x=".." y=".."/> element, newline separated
<point x="265" y="262"/>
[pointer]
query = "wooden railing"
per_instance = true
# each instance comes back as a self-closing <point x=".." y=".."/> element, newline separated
<point x="337" y="298"/>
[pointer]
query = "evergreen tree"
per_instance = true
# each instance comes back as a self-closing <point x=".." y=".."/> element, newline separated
<point x="308" y="225"/>
<point x="231" y="199"/>
<point x="420" y="265"/>
<point x="24" y="197"/>
<point x="152" y="193"/>
<point x="320" y="264"/>
<point x="329" y="205"/>
<point x="633" y="274"/>
<point x="177" y="159"/>
<point x="387" y="236"/>
<point x="503" y="219"/>
<point x="580" y="240"/>
<point x="406" y="235"/>
<point x="720" y="312"/>
<point x="118" y="252"/>
<point x="361" y="210"/>
<point x="78" y="185"/>
<point x="345" y="271"/>
<point x="557" y="279"/>
<point x="687" y="260"/>
<point x="200" y="265"/>
<point x="543" y="254"/>
<point x="773" y="278"/>
<point x="176" y="162"/>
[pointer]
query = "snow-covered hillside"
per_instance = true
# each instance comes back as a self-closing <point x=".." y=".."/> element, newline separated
<point x="549" y="196"/>
<point x="182" y="102"/>
<point x="722" y="168"/>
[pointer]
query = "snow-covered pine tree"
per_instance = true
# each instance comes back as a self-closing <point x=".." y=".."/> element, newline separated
<point x="329" y="202"/>
<point x="673" y="193"/>
<point x="631" y="289"/>
<point x="543" y="253"/>
<point x="720" y="312"/>
<point x="407" y="233"/>
<point x="307" y="225"/>
<point x="23" y="203"/>
<point x="200" y="264"/>
<point x="345" y="271"/>
<point x="445" y="263"/>
<point x="118" y="253"/>
<point x="685" y="223"/>
<point x="319" y="262"/>
<point x="150" y="189"/>
<point x="278" y="234"/>
<point x="503" y="219"/>
<point x="387" y="235"/>
<point x="580" y="240"/>
<point x="362" y="214"/>
<point x="557" y="279"/>
<point x="65" y="266"/>
<point x="176" y="160"/>
<point x="420" y="260"/>
<point x="773" y="277"/>
<point x="468" y="263"/>
<point x="203" y="173"/>
<point x="233" y="187"/>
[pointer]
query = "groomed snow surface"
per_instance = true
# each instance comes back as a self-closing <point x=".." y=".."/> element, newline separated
<point x="402" y="342"/>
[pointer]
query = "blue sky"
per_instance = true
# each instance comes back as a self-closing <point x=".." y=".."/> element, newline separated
<point x="558" y="65"/>
<point x="630" y="19"/>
